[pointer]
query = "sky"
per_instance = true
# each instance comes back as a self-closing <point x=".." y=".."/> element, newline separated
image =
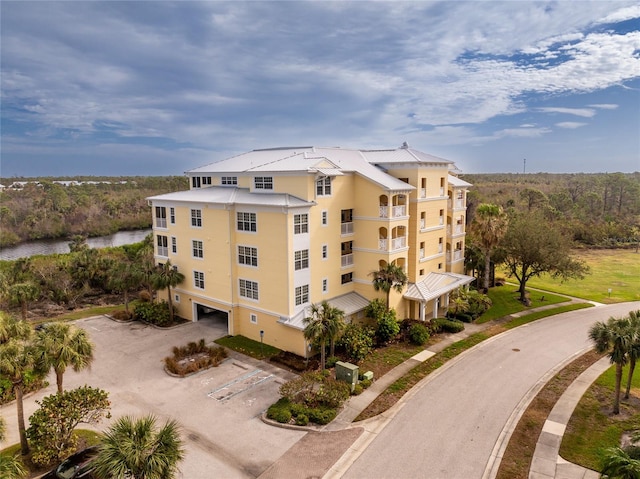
<point x="158" y="87"/>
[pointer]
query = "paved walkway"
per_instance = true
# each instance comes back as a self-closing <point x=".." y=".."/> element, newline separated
<point x="546" y="464"/>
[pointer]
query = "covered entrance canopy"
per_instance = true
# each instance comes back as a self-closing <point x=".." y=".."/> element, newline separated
<point x="433" y="287"/>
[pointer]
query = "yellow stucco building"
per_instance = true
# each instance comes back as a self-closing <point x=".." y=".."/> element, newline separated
<point x="263" y="235"/>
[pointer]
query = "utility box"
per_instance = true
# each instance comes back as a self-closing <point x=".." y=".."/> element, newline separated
<point x="368" y="375"/>
<point x="348" y="373"/>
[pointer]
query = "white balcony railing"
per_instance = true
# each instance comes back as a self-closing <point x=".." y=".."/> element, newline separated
<point x="442" y="191"/>
<point x="460" y="204"/>
<point x="423" y="192"/>
<point x="440" y="248"/>
<point x="346" y="228"/>
<point x="383" y="244"/>
<point x="384" y="213"/>
<point x="163" y="251"/>
<point x="442" y="220"/>
<point x="456" y="255"/>
<point x="457" y="229"/>
<point x="346" y="260"/>
<point x="423" y="224"/>
<point x="161" y="222"/>
<point x="400" y="242"/>
<point x="421" y="253"/>
<point x="399" y="210"/>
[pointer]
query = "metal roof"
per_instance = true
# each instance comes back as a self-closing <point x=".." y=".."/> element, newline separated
<point x="436" y="284"/>
<point x="457" y="182"/>
<point x="349" y="303"/>
<point x="230" y="195"/>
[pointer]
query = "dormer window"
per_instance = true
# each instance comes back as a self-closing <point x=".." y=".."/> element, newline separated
<point x="323" y="186"/>
<point x="263" y="183"/>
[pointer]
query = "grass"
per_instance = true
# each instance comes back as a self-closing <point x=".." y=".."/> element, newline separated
<point x="618" y="269"/>
<point x="382" y="360"/>
<point x="505" y="301"/>
<point x="84" y="313"/>
<point x="593" y="428"/>
<point x="248" y="346"/>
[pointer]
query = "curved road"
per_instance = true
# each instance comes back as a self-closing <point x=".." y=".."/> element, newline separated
<point x="448" y="427"/>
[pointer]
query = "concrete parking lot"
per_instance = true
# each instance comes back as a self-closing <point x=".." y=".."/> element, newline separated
<point x="219" y="409"/>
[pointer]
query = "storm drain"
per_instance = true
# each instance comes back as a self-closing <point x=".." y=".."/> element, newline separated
<point x="240" y="384"/>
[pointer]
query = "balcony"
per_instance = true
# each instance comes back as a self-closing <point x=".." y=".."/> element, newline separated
<point x="346" y="228"/>
<point x="441" y="219"/>
<point x="397" y="243"/>
<point x="457" y="229"/>
<point x="440" y="248"/>
<point x="442" y="191"/>
<point x="423" y="192"/>
<point x="161" y="222"/>
<point x="384" y="213"/>
<point x="346" y="260"/>
<point x="383" y="244"/>
<point x="457" y="255"/>
<point x="400" y="210"/>
<point x="423" y="224"/>
<point x="421" y="253"/>
<point x="163" y="251"/>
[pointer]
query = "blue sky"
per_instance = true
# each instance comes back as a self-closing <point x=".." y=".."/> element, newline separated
<point x="158" y="87"/>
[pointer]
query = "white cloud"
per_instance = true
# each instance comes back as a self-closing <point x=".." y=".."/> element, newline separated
<point x="627" y="13"/>
<point x="604" y="106"/>
<point x="570" y="124"/>
<point x="583" y="112"/>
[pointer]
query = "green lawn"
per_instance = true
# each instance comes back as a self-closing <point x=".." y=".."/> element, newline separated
<point x="618" y="270"/>
<point x="593" y="428"/>
<point x="505" y="301"/>
<point x="248" y="346"/>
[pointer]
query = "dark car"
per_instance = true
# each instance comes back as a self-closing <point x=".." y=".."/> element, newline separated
<point x="77" y="466"/>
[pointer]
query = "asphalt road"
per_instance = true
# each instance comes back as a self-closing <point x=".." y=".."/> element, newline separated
<point x="449" y="426"/>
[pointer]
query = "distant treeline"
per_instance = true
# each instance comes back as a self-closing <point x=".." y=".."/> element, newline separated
<point x="43" y="209"/>
<point x="599" y="209"/>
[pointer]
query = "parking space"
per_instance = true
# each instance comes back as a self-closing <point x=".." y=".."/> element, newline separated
<point x="218" y="409"/>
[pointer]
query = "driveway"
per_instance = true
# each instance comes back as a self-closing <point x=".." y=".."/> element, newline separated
<point x="218" y="409"/>
<point x="449" y="426"/>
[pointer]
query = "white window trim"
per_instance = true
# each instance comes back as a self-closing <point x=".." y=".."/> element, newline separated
<point x="324" y="218"/>
<point x="195" y="217"/>
<point x="253" y="318"/>
<point x="193" y="247"/>
<point x="257" y="289"/>
<point x="325" y="285"/>
<point x="250" y="222"/>
<point x="325" y="249"/>
<point x="249" y="256"/>
<point x="201" y="279"/>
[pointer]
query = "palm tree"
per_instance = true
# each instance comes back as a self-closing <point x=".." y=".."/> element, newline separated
<point x="21" y="294"/>
<point x="614" y="338"/>
<point x="325" y="323"/>
<point x="166" y="276"/>
<point x="11" y="467"/>
<point x="389" y="277"/>
<point x="60" y="345"/>
<point x="634" y="349"/>
<point x="617" y="464"/>
<point x="489" y="227"/>
<point x="136" y="449"/>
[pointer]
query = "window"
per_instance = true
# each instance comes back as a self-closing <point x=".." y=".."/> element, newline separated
<point x="461" y="195"/>
<point x="172" y="215"/>
<point x="253" y="318"/>
<point x="301" y="259"/>
<point x="302" y="294"/>
<point x="439" y="265"/>
<point x="176" y="298"/>
<point x="247" y="222"/>
<point x="300" y="223"/>
<point x="198" y="279"/>
<point x="248" y="289"/>
<point x="323" y="186"/>
<point x="325" y="253"/>
<point x="263" y="183"/>
<point x="346" y="278"/>
<point x="197" y="249"/>
<point x="248" y="255"/>
<point x="325" y="285"/>
<point x="196" y="218"/>
<point x="195" y="182"/>
<point x="206" y="180"/>
<point x="174" y="245"/>
<point x="406" y="180"/>
<point x="162" y="245"/>
<point x="421" y="272"/>
<point x="325" y="217"/>
<point x="229" y="180"/>
<point x="161" y="217"/>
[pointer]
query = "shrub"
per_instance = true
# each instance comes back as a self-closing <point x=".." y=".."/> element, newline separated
<point x="122" y="315"/>
<point x="365" y="383"/>
<point x="357" y="341"/>
<point x="464" y="317"/>
<point x="295" y="362"/>
<point x="448" y="325"/>
<point x="203" y="357"/>
<point x="418" y="334"/>
<point x="153" y="313"/>
<point x="331" y="361"/>
<point x="357" y="390"/>
<point x="302" y="420"/>
<point x="144" y="296"/>
<point x="387" y="327"/>
<point x="279" y="412"/>
<point x="322" y="416"/>
<point x="332" y="393"/>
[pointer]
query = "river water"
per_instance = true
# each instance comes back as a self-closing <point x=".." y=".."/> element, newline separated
<point x="32" y="248"/>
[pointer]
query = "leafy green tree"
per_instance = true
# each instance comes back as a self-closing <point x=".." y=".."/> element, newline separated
<point x="617" y="464"/>
<point x="487" y="229"/>
<point x="125" y="277"/>
<point x="324" y="324"/>
<point x="16" y="360"/>
<point x="533" y="246"/>
<point x="52" y="425"/>
<point x="21" y="294"/>
<point x="389" y="277"/>
<point x="614" y="338"/>
<point x="387" y="327"/>
<point x="137" y="449"/>
<point x="357" y="341"/>
<point x="166" y="276"/>
<point x="61" y="345"/>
